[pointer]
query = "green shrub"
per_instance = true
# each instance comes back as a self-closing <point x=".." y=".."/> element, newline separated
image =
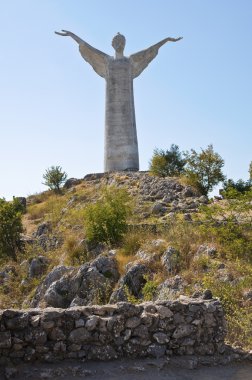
<point x="238" y="317"/>
<point x="10" y="228"/>
<point x="54" y="177"/>
<point x="230" y="227"/>
<point x="231" y="189"/>
<point x="167" y="163"/>
<point x="204" y="169"/>
<point x="106" y="220"/>
<point x="150" y="288"/>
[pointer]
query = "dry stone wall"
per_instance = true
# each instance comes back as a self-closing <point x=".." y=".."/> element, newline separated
<point x="185" y="326"/>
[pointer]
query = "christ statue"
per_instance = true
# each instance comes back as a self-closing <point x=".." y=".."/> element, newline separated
<point x="121" y="147"/>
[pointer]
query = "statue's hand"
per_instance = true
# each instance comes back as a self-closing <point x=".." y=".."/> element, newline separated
<point x="175" y="39"/>
<point x="65" y="33"/>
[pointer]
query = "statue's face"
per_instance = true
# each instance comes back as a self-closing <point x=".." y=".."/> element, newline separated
<point x="118" y="43"/>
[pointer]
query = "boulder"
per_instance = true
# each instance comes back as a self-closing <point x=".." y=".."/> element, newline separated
<point x="171" y="288"/>
<point x="70" y="182"/>
<point x="132" y="282"/>
<point x="52" y="277"/>
<point x="38" y="266"/>
<point x="159" y="208"/>
<point x="207" y="295"/>
<point x="49" y="242"/>
<point x="91" y="284"/>
<point x="203" y="199"/>
<point x="207" y="250"/>
<point x="187" y="217"/>
<point x="188" y="192"/>
<point x="43" y="228"/>
<point x="170" y="259"/>
<point x="247" y="295"/>
<point x="7" y="273"/>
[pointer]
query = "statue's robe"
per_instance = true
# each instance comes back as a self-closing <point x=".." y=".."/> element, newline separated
<point x="121" y="147"/>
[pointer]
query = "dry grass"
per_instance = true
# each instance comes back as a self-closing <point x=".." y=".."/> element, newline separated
<point x="123" y="260"/>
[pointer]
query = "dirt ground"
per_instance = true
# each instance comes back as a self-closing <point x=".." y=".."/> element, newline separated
<point x="126" y="369"/>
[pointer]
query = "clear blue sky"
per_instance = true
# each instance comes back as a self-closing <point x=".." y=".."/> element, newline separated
<point x="196" y="92"/>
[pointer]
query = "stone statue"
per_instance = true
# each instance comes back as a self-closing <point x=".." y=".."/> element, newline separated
<point x="121" y="148"/>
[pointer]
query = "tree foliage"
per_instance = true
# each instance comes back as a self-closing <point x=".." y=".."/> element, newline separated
<point x="250" y="171"/>
<point x="168" y="162"/>
<point x="54" y="177"/>
<point x="231" y="189"/>
<point x="106" y="220"/>
<point x="10" y="228"/>
<point x="204" y="168"/>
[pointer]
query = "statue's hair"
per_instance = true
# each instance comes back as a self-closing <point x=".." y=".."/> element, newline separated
<point x="118" y="37"/>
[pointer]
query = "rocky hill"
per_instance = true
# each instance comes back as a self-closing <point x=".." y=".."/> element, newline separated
<point x="177" y="243"/>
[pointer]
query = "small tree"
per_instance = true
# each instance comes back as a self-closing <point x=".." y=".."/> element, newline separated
<point x="204" y="168"/>
<point x="10" y="228"/>
<point x="106" y="220"/>
<point x="167" y="163"/>
<point x="250" y="171"/>
<point x="54" y="177"/>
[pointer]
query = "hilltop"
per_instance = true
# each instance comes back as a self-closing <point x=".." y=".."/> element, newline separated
<point x="177" y="242"/>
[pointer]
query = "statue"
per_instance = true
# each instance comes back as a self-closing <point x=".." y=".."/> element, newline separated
<point x="121" y="148"/>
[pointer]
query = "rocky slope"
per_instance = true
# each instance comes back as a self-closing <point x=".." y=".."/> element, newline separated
<point x="163" y="255"/>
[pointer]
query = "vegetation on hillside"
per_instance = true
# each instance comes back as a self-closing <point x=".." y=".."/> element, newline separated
<point x="202" y="170"/>
<point x="111" y="213"/>
<point x="10" y="228"/>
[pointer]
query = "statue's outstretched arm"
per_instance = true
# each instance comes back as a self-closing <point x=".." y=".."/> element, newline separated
<point x="66" y="33"/>
<point x="141" y="59"/>
<point x="96" y="58"/>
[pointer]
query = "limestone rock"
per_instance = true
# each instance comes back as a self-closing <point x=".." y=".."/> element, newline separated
<point x="188" y="192"/>
<point x="247" y="295"/>
<point x="53" y="276"/>
<point x="133" y="281"/>
<point x="170" y="260"/>
<point x="92" y="283"/>
<point x="159" y="209"/>
<point x="7" y="273"/>
<point x="207" y="250"/>
<point x="42" y="229"/>
<point x="170" y="288"/>
<point x="38" y="266"/>
<point x="70" y="182"/>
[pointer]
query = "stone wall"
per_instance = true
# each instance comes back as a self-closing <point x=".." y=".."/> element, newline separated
<point x="106" y="332"/>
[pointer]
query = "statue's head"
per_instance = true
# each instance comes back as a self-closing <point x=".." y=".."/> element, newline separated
<point x="118" y="43"/>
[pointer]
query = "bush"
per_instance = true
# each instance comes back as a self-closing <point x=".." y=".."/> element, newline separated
<point x="106" y="220"/>
<point x="204" y="169"/>
<point x="167" y="163"/>
<point x="54" y="177"/>
<point x="231" y="188"/>
<point x="10" y="228"/>
<point x="230" y="227"/>
<point x="238" y="317"/>
<point x="150" y="288"/>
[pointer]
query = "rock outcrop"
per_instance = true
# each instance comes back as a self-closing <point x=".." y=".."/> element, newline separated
<point x="89" y="284"/>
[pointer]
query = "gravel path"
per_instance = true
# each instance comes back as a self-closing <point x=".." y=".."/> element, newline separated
<point x="146" y="369"/>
